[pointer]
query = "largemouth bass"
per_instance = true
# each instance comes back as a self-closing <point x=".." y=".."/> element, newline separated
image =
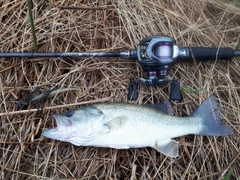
<point x="123" y="126"/>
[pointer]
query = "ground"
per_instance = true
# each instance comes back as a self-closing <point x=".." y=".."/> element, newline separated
<point x="110" y="25"/>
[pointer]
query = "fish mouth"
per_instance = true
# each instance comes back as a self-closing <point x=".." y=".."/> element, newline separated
<point x="52" y="132"/>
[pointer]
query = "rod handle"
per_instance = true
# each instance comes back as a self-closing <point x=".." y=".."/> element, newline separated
<point x="205" y="54"/>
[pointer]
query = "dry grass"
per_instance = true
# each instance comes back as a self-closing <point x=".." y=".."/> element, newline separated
<point x="25" y="154"/>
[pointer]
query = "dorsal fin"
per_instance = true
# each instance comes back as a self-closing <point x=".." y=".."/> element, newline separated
<point x="164" y="106"/>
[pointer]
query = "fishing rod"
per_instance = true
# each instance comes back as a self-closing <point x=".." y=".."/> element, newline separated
<point x="155" y="54"/>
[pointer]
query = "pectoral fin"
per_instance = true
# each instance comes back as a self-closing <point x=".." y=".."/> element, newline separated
<point x="168" y="149"/>
<point x="116" y="123"/>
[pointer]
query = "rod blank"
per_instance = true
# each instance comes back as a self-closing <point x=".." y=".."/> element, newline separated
<point x="124" y="54"/>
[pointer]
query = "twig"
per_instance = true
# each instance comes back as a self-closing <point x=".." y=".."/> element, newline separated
<point x="89" y="8"/>
<point x="6" y="69"/>
<point x="55" y="107"/>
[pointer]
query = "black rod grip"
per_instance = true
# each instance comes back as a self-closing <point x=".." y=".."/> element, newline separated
<point x="205" y="54"/>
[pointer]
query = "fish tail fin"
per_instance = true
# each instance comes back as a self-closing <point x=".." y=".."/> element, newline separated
<point x="211" y="124"/>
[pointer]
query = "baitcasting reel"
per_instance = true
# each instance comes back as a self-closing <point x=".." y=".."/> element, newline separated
<point x="155" y="54"/>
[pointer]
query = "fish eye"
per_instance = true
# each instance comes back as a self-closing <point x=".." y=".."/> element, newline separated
<point x="70" y="113"/>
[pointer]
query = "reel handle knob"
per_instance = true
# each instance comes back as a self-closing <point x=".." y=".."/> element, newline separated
<point x="175" y="94"/>
<point x="133" y="91"/>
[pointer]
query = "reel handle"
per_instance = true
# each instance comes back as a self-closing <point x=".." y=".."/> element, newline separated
<point x="205" y="54"/>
